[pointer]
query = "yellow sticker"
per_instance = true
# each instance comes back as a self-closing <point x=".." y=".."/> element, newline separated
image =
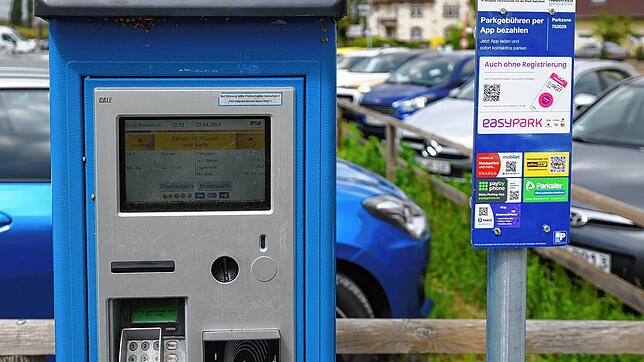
<point x="546" y="164"/>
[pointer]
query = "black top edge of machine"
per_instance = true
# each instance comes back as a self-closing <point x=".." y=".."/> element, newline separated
<point x="237" y="8"/>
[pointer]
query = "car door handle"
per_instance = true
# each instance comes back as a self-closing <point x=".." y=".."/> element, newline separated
<point x="5" y="221"/>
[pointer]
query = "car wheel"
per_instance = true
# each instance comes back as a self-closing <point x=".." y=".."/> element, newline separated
<point x="351" y="302"/>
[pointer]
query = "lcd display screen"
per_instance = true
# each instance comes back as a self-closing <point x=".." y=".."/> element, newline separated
<point x="194" y="164"/>
<point x="154" y="311"/>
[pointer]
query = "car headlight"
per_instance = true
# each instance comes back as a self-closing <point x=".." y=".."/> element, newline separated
<point x="413" y="104"/>
<point x="404" y="214"/>
<point x="364" y="88"/>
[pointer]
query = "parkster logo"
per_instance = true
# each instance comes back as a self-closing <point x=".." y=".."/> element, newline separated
<point x="547" y="189"/>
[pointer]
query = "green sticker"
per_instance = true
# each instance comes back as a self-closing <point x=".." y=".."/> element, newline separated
<point x="545" y="189"/>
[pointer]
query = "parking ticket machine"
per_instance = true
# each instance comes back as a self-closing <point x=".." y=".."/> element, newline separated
<point x="193" y="179"/>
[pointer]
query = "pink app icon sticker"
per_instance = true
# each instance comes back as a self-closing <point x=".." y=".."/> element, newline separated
<point x="546" y="100"/>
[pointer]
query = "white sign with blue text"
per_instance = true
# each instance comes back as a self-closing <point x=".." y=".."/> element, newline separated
<point x="522" y="126"/>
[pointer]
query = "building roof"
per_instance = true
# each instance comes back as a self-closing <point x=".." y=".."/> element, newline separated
<point x="591" y="8"/>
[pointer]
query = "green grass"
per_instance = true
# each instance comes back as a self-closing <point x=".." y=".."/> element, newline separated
<point x="456" y="278"/>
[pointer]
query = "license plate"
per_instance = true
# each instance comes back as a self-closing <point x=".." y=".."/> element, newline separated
<point x="600" y="260"/>
<point x="441" y="167"/>
<point x="372" y="121"/>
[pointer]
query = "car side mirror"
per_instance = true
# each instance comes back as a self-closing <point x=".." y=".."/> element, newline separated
<point x="584" y="100"/>
<point x="453" y="92"/>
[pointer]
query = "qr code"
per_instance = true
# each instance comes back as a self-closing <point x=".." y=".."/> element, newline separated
<point x="558" y="164"/>
<point x="514" y="195"/>
<point x="491" y="92"/>
<point x="483" y="211"/>
<point x="511" y="166"/>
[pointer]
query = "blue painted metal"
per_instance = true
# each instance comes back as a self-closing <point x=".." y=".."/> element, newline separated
<point x="250" y="48"/>
<point x="377" y="246"/>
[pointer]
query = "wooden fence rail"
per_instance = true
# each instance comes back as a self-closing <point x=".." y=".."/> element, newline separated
<point x="628" y="293"/>
<point x="402" y="336"/>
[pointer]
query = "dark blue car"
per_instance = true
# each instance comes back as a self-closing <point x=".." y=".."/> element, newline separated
<point x="417" y="83"/>
<point x="382" y="236"/>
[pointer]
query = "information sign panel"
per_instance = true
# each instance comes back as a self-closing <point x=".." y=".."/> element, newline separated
<point x="522" y="126"/>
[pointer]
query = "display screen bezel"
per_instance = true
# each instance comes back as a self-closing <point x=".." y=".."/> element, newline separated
<point x="219" y="205"/>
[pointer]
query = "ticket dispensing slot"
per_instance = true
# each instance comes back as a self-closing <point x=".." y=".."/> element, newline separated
<point x="148" y="330"/>
<point x="262" y="345"/>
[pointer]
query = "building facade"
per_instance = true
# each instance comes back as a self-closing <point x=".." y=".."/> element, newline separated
<point x="418" y="20"/>
<point x="589" y="10"/>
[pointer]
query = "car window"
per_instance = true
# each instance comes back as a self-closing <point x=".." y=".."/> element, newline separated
<point x="429" y="72"/>
<point x="468" y="69"/>
<point x="24" y="135"/>
<point x="612" y="76"/>
<point x="617" y="118"/>
<point x="588" y="83"/>
<point x="349" y="61"/>
<point x="466" y="91"/>
<point x="383" y="63"/>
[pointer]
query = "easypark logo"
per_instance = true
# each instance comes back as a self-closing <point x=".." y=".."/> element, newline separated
<point x="512" y="122"/>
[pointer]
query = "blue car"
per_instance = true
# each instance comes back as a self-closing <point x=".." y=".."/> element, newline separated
<point x="382" y="236"/>
<point x="417" y="83"/>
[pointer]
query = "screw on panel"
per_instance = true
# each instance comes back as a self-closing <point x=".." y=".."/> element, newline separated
<point x="92" y="196"/>
<point x="84" y="159"/>
<point x="503" y="11"/>
<point x="546" y="228"/>
<point x="497" y="231"/>
<point x="551" y="11"/>
<point x="325" y="39"/>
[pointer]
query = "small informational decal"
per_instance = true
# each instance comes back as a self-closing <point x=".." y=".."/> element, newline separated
<point x="483" y="216"/>
<point x="488" y="216"/>
<point x="544" y="164"/>
<point x="250" y="99"/>
<point x="560" y="237"/>
<point x="498" y="165"/>
<point x="498" y="190"/>
<point x="545" y="189"/>
<point x="507" y="215"/>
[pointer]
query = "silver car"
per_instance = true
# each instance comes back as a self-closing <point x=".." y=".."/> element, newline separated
<point x="453" y="117"/>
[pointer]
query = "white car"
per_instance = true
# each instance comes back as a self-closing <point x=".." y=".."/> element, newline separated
<point x="358" y="71"/>
<point x="453" y="117"/>
<point x="12" y="42"/>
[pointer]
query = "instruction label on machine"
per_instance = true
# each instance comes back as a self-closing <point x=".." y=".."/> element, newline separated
<point x="522" y="126"/>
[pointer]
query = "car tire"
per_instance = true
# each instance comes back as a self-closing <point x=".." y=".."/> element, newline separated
<point x="351" y="302"/>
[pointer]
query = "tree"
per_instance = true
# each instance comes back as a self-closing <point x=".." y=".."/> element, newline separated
<point x="16" y="13"/>
<point x="30" y="14"/>
<point x="612" y="28"/>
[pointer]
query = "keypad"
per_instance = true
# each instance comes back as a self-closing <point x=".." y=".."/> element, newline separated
<point x="140" y="351"/>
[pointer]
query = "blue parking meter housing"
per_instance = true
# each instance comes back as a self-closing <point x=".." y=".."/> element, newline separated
<point x="193" y="176"/>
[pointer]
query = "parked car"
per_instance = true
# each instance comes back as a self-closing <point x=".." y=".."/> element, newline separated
<point x="416" y="84"/>
<point x="379" y="229"/>
<point x="358" y="79"/>
<point x="453" y="117"/>
<point x="11" y="41"/>
<point x="608" y="155"/>
<point x="608" y="50"/>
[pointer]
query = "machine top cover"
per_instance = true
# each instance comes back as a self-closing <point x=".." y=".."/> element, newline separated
<point x="245" y="8"/>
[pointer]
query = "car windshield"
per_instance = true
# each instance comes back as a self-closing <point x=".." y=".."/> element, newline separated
<point x="465" y="92"/>
<point x="349" y="61"/>
<point x="24" y="135"/>
<point x="383" y="63"/>
<point x="429" y="72"/>
<point x="616" y="119"/>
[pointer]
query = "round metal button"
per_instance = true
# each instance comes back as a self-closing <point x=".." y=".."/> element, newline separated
<point x="264" y="269"/>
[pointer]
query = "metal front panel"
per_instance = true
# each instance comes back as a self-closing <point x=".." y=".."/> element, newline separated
<point x="194" y="239"/>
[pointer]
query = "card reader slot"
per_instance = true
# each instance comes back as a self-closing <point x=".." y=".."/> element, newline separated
<point x="143" y="266"/>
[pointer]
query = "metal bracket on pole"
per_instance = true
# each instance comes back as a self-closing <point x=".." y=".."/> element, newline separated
<point x="506" y="300"/>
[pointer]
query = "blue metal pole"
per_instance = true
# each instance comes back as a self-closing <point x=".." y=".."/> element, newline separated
<point x="506" y="296"/>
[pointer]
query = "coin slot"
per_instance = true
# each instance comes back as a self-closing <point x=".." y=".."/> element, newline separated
<point x="263" y="246"/>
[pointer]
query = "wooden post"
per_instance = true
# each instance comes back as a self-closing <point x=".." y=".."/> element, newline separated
<point x="23" y="359"/>
<point x="390" y="139"/>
